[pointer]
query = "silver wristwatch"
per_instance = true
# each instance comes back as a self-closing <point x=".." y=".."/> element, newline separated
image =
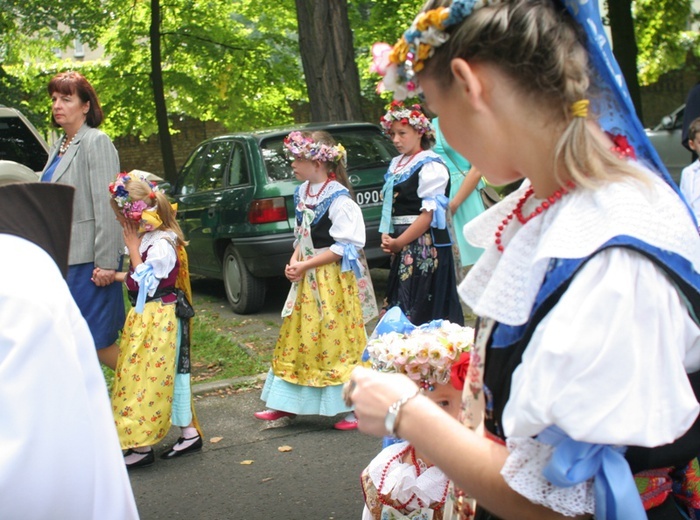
<point x="392" y="415"/>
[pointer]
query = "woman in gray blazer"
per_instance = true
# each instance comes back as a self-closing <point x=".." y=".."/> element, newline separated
<point x="86" y="158"/>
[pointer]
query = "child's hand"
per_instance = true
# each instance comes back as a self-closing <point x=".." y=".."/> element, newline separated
<point x="130" y="231"/>
<point x="390" y="245"/>
<point x="294" y="272"/>
<point x="102" y="277"/>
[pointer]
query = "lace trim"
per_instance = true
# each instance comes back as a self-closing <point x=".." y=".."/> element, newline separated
<point x="152" y="237"/>
<point x="523" y="473"/>
<point x="503" y="286"/>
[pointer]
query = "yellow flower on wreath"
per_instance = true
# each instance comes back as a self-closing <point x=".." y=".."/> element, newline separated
<point x="432" y="18"/>
<point x="399" y="53"/>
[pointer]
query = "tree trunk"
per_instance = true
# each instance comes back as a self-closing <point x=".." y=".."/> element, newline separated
<point x="166" y="144"/>
<point x="625" y="47"/>
<point x="327" y="55"/>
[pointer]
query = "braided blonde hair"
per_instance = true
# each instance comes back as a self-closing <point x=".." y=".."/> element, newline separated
<point x="541" y="49"/>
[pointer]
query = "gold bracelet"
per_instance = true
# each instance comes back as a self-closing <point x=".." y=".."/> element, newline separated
<point x="391" y="421"/>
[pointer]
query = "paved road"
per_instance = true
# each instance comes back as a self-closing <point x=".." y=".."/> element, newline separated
<point x="317" y="480"/>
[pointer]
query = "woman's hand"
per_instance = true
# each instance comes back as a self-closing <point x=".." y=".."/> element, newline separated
<point x="372" y="393"/>
<point x="102" y="277"/>
<point x="390" y="245"/>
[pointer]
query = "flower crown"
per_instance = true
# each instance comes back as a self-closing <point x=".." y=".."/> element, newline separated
<point x="434" y="353"/>
<point x="414" y="116"/>
<point x="131" y="209"/>
<point x="399" y="64"/>
<point x="300" y="146"/>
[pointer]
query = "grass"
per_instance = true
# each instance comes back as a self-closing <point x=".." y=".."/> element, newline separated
<point x="215" y="354"/>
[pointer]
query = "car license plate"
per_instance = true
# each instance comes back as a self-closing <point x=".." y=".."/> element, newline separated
<point x="367" y="198"/>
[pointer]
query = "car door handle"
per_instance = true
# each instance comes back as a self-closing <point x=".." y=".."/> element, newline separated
<point x="211" y="212"/>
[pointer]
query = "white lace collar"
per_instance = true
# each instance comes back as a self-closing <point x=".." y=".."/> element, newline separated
<point x="503" y="286"/>
<point x="152" y="237"/>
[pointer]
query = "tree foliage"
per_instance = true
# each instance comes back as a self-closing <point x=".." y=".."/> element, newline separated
<point x="663" y="36"/>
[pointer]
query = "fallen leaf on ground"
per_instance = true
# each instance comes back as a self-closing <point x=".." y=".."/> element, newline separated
<point x="268" y="479"/>
<point x="246" y="462"/>
<point x="284" y="448"/>
<point x="214" y="440"/>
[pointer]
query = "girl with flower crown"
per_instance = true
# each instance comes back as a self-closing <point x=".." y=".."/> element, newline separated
<point x="323" y="334"/>
<point x="402" y="480"/>
<point x="585" y="371"/>
<point x="413" y="225"/>
<point x="151" y="387"/>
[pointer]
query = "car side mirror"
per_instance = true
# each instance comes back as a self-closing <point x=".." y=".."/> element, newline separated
<point x="667" y="123"/>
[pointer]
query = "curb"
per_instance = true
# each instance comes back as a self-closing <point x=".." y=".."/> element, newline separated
<point x="236" y="382"/>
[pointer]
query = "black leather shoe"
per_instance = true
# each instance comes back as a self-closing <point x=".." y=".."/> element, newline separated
<point x="172" y="453"/>
<point x="149" y="459"/>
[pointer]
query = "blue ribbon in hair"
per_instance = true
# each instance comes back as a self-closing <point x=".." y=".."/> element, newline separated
<point x="573" y="462"/>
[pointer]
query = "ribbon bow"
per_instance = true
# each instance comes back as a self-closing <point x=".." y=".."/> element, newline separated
<point x="439" y="214"/>
<point x="573" y="462"/>
<point x="147" y="282"/>
<point x="351" y="260"/>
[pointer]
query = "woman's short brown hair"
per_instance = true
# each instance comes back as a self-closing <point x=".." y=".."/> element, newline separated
<point x="73" y="83"/>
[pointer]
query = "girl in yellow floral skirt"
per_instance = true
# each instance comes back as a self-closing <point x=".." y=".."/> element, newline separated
<point x="151" y="384"/>
<point x="323" y="335"/>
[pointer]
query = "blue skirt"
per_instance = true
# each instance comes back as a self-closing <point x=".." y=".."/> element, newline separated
<point x="102" y="307"/>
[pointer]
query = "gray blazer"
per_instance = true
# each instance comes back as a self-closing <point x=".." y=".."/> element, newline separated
<point x="90" y="164"/>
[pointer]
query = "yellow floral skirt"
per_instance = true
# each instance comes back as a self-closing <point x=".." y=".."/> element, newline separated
<point x="320" y="351"/>
<point x="142" y="393"/>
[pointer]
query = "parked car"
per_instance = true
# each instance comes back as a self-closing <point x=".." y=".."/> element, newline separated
<point x="666" y="138"/>
<point x="235" y="204"/>
<point x="23" y="151"/>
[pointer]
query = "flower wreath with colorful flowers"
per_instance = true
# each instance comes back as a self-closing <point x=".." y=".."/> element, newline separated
<point x="131" y="209"/>
<point x="299" y="146"/>
<point x="433" y="353"/>
<point x="399" y="64"/>
<point x="413" y="116"/>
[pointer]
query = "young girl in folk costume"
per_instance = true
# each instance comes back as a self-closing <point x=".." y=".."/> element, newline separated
<point x="323" y="335"/>
<point x="413" y="226"/>
<point x="585" y="364"/>
<point x="151" y="387"/>
<point x="401" y="480"/>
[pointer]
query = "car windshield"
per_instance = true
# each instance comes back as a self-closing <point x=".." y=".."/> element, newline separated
<point x="19" y="144"/>
<point x="366" y="148"/>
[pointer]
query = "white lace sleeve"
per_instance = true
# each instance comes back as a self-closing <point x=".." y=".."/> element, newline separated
<point x="523" y="473"/>
<point x="433" y="178"/>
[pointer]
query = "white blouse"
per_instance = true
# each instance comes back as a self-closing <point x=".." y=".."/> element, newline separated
<point x="608" y="363"/>
<point x="347" y="223"/>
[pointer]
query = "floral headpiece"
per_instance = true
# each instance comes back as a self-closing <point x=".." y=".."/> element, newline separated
<point x="131" y="209"/>
<point x="414" y="116"/>
<point x="303" y="147"/>
<point x="434" y="353"/>
<point x="399" y="64"/>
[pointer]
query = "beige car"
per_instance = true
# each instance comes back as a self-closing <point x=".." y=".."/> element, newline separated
<point x="23" y="151"/>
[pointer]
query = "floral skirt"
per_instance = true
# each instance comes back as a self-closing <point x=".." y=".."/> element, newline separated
<point x="321" y="350"/>
<point x="144" y="379"/>
<point x="422" y="282"/>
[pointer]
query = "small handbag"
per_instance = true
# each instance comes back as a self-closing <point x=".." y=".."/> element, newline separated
<point x="489" y="196"/>
<point x="183" y="308"/>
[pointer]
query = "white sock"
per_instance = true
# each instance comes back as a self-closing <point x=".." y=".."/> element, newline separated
<point x="188" y="432"/>
<point x="136" y="456"/>
<point x="351" y="417"/>
<point x="189" y="437"/>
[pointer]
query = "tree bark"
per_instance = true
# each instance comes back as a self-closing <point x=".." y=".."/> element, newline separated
<point x="327" y="55"/>
<point x="625" y="47"/>
<point x="166" y="144"/>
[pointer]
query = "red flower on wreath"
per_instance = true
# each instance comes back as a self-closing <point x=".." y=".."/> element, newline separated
<point x="458" y="372"/>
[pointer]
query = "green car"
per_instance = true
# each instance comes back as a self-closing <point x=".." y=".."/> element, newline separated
<point x="235" y="197"/>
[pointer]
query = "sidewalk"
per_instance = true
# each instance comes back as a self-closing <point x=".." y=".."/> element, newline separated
<point x="318" y="479"/>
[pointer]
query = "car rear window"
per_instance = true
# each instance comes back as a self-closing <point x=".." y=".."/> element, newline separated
<point x="366" y="148"/>
<point x="19" y="144"/>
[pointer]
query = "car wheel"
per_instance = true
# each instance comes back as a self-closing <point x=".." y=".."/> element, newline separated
<point x="245" y="292"/>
